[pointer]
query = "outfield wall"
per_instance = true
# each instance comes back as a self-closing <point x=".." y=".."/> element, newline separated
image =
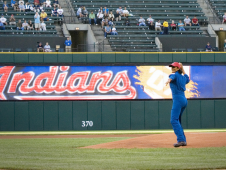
<point x="109" y="115"/>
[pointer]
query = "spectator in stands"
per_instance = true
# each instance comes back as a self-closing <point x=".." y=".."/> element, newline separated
<point x="79" y="12"/>
<point x="141" y="21"/>
<point x="181" y="26"/>
<point x="31" y="7"/>
<point x="125" y="12"/>
<point x="19" y="25"/>
<point x="41" y="7"/>
<point x="60" y="11"/>
<point x="127" y="21"/>
<point x="12" y="20"/>
<point x="42" y="26"/>
<point x="2" y="26"/>
<point x="48" y="4"/>
<point x="107" y="31"/>
<point x="68" y="45"/>
<point x="36" y="7"/>
<point x="117" y="16"/>
<point x="224" y="18"/>
<point x="106" y="11"/>
<point x="21" y="1"/>
<point x="13" y="3"/>
<point x="208" y="47"/>
<point x="27" y="7"/>
<point x="40" y="47"/>
<point x="100" y="10"/>
<point x="25" y="25"/>
<point x="21" y="6"/>
<point x="43" y="16"/>
<point x="111" y="16"/>
<point x="47" y="48"/>
<point x="16" y="7"/>
<point x="158" y="26"/>
<point x="195" y="21"/>
<point x="120" y="11"/>
<point x="3" y="20"/>
<point x="56" y="4"/>
<point x="114" y="31"/>
<point x="37" y="21"/>
<point x="150" y="21"/>
<point x="42" y="2"/>
<point x="5" y="6"/>
<point x="92" y="18"/>
<point x="54" y="12"/>
<point x="30" y="25"/>
<point x="99" y="17"/>
<point x="224" y="45"/>
<point x="187" y="22"/>
<point x="104" y="22"/>
<point x="173" y="26"/>
<point x="85" y="12"/>
<point x="110" y="23"/>
<point x="165" y="27"/>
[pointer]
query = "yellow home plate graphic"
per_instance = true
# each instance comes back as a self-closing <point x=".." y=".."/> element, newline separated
<point x="153" y="79"/>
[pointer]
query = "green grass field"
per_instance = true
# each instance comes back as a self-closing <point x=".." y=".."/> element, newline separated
<point x="65" y="153"/>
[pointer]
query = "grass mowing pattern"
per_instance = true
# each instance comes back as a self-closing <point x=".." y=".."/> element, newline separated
<point x="64" y="154"/>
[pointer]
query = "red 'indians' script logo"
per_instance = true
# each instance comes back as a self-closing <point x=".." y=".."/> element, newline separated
<point x="50" y="85"/>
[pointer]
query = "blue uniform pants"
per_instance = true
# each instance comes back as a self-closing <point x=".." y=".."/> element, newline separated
<point x="179" y="104"/>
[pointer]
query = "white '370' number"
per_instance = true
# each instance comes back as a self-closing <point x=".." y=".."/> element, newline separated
<point x="87" y="123"/>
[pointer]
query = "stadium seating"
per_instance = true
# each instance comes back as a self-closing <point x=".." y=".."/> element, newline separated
<point x="135" y="38"/>
<point x="219" y="6"/>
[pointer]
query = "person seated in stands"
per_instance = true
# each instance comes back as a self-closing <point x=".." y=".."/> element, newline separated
<point x="37" y="21"/>
<point x="60" y="11"/>
<point x="84" y="12"/>
<point x="54" y="12"/>
<point x="158" y="26"/>
<point x="100" y="10"/>
<point x="19" y="25"/>
<point x="99" y="17"/>
<point x="104" y="22"/>
<point x="12" y="20"/>
<point x="43" y="16"/>
<point x="3" y="20"/>
<point x="117" y="16"/>
<point x="5" y="6"/>
<point x="187" y="22"/>
<point x="195" y="21"/>
<point x="30" y="25"/>
<point x="27" y="7"/>
<point x="36" y="7"/>
<point x="125" y="12"/>
<point x="110" y="23"/>
<point x="111" y="16"/>
<point x="208" y="47"/>
<point x="127" y="21"/>
<point x="173" y="26"/>
<point x="150" y="21"/>
<point x="181" y="26"/>
<point x="114" y="31"/>
<point x="48" y="4"/>
<point x="21" y="6"/>
<point x="106" y="11"/>
<point x="43" y="26"/>
<point x="92" y="18"/>
<point x="2" y="26"/>
<point x="40" y="47"/>
<point x="107" y="31"/>
<point x="16" y="7"/>
<point x="25" y="25"/>
<point x="141" y="21"/>
<point x="21" y="1"/>
<point x="119" y="10"/>
<point x="41" y="7"/>
<point x="224" y="18"/>
<point x="79" y="12"/>
<point x="31" y="7"/>
<point x="47" y="48"/>
<point x="56" y="4"/>
<point x="13" y="3"/>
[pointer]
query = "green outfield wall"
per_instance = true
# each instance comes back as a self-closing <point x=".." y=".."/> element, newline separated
<point x="108" y="115"/>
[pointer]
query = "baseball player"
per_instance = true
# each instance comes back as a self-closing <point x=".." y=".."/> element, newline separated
<point x="177" y="83"/>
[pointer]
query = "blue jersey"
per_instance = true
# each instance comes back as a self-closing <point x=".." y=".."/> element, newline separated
<point x="68" y="43"/>
<point x="178" y="83"/>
